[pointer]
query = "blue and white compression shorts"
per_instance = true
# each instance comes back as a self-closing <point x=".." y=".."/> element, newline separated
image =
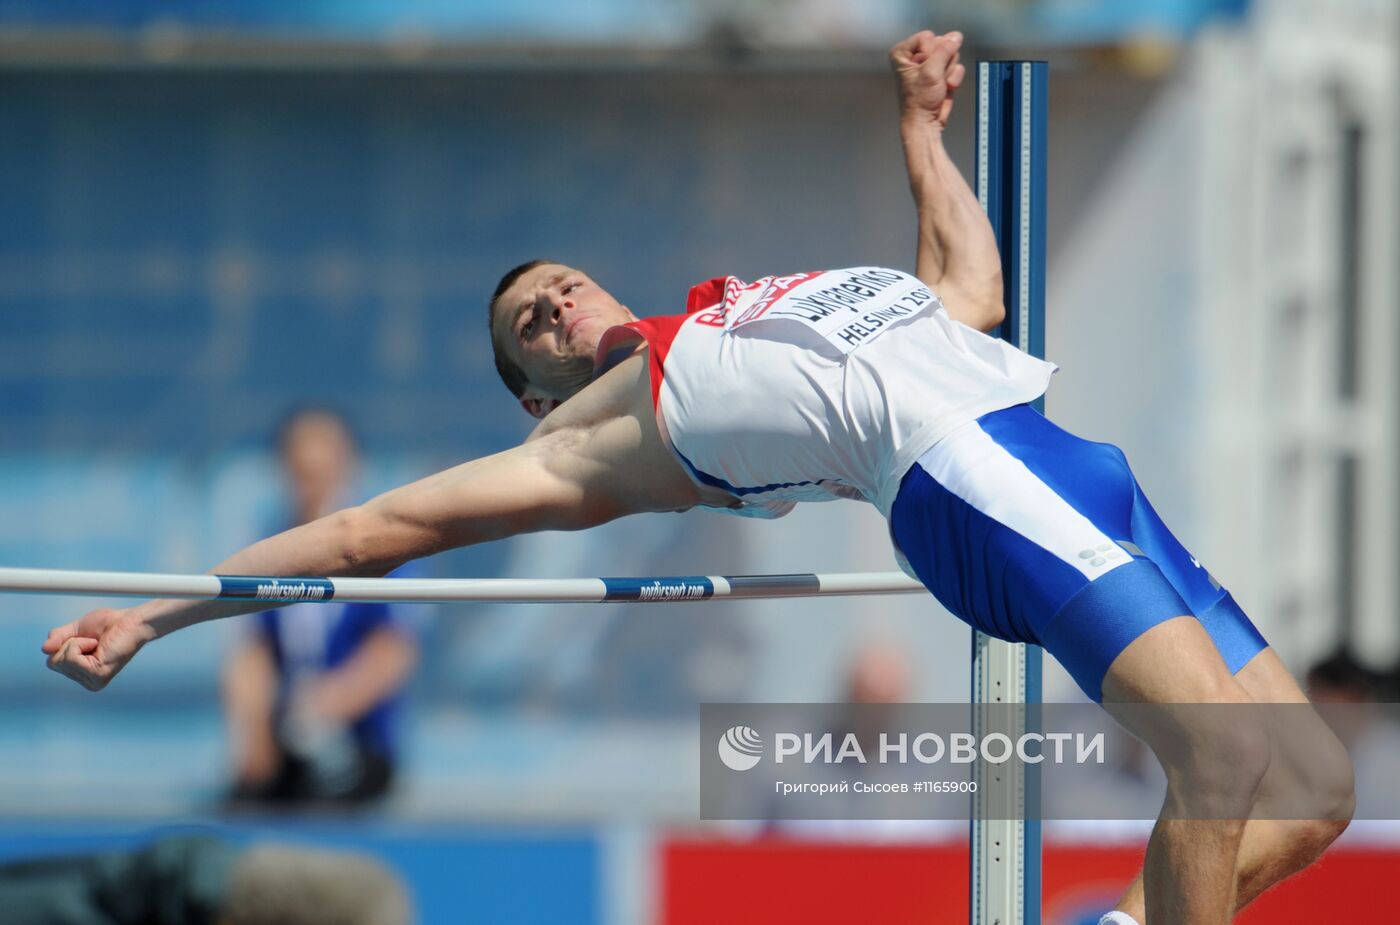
<point x="1032" y="534"/>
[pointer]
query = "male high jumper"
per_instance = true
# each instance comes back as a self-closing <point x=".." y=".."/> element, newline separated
<point x="862" y="383"/>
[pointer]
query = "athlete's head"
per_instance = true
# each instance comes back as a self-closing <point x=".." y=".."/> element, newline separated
<point x="546" y="320"/>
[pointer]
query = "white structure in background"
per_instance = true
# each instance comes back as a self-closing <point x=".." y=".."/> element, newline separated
<point x="1299" y="331"/>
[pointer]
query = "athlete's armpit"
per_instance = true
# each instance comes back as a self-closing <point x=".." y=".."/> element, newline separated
<point x="599" y="456"/>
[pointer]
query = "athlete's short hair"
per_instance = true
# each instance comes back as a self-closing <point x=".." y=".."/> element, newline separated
<point x="511" y="374"/>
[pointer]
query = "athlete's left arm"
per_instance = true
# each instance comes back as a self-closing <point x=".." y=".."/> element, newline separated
<point x="600" y="458"/>
<point x="957" y="254"/>
<point x="542" y="485"/>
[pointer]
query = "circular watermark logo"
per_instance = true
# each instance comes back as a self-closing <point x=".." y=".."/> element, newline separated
<point x="740" y="748"/>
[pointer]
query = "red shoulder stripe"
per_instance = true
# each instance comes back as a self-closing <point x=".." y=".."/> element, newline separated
<point x="618" y="342"/>
<point x="706" y="295"/>
<point x="659" y="333"/>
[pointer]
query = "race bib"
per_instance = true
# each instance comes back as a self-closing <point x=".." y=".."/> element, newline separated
<point x="846" y="308"/>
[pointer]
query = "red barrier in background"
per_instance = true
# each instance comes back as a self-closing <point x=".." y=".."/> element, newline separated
<point x="776" y="881"/>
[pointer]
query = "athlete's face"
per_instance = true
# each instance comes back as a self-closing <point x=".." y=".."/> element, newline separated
<point x="550" y="322"/>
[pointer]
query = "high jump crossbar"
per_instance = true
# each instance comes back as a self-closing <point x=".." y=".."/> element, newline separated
<point x="1010" y="182"/>
<point x="285" y="590"/>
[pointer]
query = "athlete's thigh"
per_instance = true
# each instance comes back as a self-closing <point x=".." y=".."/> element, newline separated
<point x="1171" y="689"/>
<point x="1268" y="681"/>
<point x="1175" y="661"/>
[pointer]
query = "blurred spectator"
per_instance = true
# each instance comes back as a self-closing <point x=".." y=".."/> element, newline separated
<point x="1340" y="678"/>
<point x="879" y="674"/>
<point x="878" y="682"/>
<point x="1345" y="693"/>
<point x="312" y="695"/>
<point x="201" y="880"/>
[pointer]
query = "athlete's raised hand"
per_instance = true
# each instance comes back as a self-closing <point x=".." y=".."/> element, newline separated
<point x="91" y="650"/>
<point x="928" y="71"/>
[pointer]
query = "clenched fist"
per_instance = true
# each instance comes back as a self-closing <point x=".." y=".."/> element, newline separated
<point x="927" y="69"/>
<point x="93" y="649"/>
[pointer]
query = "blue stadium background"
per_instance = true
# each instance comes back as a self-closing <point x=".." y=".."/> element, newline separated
<point x="189" y="249"/>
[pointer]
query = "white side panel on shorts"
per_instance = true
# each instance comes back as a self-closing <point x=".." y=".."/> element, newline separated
<point x="973" y="466"/>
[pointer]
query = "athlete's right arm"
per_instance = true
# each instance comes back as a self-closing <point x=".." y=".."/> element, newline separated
<point x="957" y="251"/>
<point x="577" y="474"/>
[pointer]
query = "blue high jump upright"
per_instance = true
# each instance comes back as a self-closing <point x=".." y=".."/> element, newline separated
<point x="1010" y="184"/>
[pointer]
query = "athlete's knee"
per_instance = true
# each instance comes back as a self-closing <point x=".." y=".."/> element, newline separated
<point x="1337" y="786"/>
<point x="1228" y="767"/>
<point x="1216" y="759"/>
<point x="1328" y="787"/>
<point x="1319" y="834"/>
<point x="1303" y="841"/>
<point x="1311" y="779"/>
